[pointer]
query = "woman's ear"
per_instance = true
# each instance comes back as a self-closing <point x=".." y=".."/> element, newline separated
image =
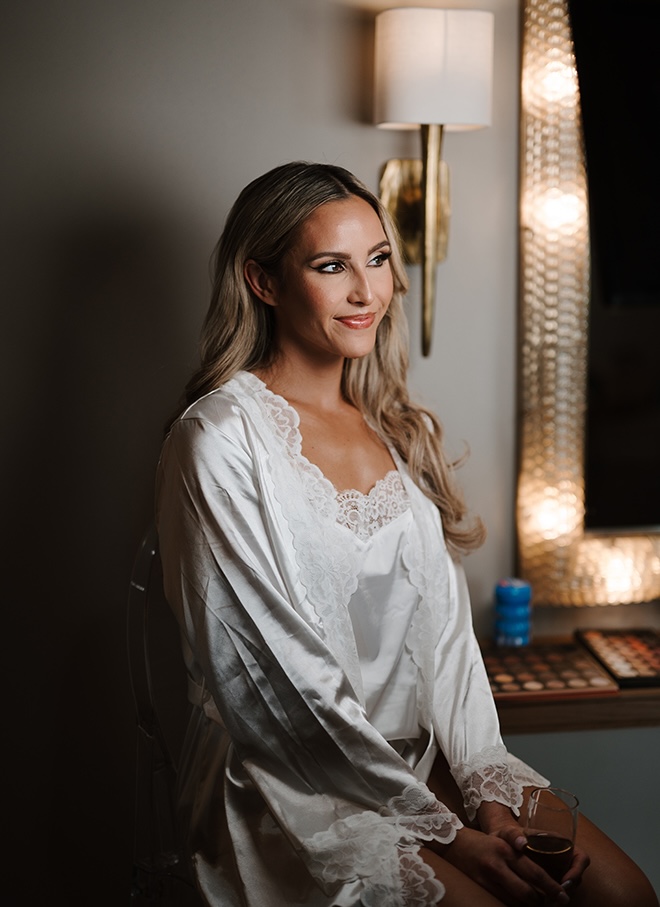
<point x="262" y="284"/>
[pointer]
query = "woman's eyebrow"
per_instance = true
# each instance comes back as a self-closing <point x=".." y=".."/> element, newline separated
<point x="379" y="245"/>
<point x="330" y="254"/>
<point x="346" y="256"/>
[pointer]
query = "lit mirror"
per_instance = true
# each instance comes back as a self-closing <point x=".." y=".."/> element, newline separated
<point x="575" y="547"/>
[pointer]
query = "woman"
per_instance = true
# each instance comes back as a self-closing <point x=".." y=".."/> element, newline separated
<point x="310" y="533"/>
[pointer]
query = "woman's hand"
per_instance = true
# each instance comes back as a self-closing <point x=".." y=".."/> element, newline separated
<point x="502" y="869"/>
<point x="497" y="821"/>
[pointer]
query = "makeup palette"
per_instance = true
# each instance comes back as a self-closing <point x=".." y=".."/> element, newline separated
<point x="632" y="657"/>
<point x="558" y="670"/>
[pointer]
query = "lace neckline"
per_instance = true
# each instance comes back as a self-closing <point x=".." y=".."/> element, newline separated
<point x="363" y="513"/>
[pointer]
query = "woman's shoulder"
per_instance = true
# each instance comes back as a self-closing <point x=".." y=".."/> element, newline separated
<point x="214" y="442"/>
<point x="218" y="421"/>
<point x="242" y="418"/>
<point x="225" y="407"/>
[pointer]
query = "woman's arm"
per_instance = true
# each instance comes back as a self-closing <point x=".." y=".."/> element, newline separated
<point x="492" y="785"/>
<point x="465" y="719"/>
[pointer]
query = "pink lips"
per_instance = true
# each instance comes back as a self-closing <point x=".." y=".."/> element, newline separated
<point x="358" y="322"/>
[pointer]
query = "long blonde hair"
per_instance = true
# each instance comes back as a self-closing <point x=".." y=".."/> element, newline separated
<point x="238" y="331"/>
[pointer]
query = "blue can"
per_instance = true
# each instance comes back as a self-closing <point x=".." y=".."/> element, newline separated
<point x="513" y="612"/>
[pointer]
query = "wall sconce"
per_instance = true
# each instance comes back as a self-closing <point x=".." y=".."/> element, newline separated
<point x="433" y="68"/>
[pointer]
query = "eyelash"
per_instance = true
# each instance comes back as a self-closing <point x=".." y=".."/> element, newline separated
<point x="338" y="266"/>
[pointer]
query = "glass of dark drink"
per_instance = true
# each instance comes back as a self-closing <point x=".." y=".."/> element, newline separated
<point x="549" y="827"/>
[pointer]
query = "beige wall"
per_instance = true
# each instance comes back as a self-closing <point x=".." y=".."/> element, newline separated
<point x="129" y="128"/>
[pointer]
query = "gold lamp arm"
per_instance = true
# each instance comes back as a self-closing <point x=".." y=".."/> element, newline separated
<point x="431" y="157"/>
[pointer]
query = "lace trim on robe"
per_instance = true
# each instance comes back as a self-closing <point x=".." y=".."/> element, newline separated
<point x="429" y="575"/>
<point x="329" y="568"/>
<point x="383" y="850"/>
<point x="494" y="775"/>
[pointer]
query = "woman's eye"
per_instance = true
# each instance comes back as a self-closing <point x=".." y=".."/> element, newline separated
<point x="331" y="267"/>
<point x="379" y="260"/>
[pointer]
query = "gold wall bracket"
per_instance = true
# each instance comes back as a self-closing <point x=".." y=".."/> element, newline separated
<point x="401" y="193"/>
<point x="416" y="194"/>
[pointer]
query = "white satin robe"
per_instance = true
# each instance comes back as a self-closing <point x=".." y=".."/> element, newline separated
<point x="330" y="648"/>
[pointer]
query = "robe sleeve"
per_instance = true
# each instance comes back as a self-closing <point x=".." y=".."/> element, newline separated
<point x="466" y="723"/>
<point x="349" y="805"/>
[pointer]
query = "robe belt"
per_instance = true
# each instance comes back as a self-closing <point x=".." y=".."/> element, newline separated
<point x="198" y="695"/>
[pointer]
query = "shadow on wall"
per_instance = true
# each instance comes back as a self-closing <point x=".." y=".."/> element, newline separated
<point x="94" y="364"/>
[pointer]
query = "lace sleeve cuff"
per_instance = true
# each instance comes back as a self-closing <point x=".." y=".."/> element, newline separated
<point x="495" y="775"/>
<point x="382" y="850"/>
<point x="486" y="776"/>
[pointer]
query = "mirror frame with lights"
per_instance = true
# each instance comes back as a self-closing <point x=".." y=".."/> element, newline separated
<point x="565" y="565"/>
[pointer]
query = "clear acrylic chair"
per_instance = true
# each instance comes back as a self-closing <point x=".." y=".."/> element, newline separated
<point x="158" y="681"/>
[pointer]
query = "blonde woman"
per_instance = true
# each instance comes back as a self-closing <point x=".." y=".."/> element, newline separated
<point x="345" y="749"/>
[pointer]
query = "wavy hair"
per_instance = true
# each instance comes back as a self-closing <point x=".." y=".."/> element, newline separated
<point x="239" y="330"/>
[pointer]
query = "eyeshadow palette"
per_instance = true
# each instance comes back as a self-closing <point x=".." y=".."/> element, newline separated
<point x="632" y="657"/>
<point x="545" y="670"/>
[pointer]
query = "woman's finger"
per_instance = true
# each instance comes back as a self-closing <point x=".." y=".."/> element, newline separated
<point x="577" y="868"/>
<point x="513" y="835"/>
<point x="522" y="881"/>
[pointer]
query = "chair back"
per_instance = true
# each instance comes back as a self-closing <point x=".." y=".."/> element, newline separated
<point x="159" y="685"/>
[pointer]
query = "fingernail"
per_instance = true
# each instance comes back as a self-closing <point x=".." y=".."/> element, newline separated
<point x="563" y="898"/>
<point x="520" y="842"/>
<point x="567" y="884"/>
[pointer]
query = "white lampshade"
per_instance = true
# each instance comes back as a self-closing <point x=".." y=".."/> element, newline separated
<point x="434" y="66"/>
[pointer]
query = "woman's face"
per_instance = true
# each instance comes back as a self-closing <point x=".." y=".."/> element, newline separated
<point x="336" y="284"/>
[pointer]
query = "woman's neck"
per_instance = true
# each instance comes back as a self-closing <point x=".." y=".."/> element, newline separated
<point x="315" y="385"/>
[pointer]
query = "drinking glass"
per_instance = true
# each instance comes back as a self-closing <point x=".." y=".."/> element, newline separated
<point x="550" y="824"/>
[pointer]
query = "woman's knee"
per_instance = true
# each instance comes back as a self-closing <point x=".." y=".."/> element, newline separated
<point x="612" y="879"/>
<point x="630" y="889"/>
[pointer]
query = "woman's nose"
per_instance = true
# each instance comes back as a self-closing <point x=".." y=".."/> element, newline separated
<point x="361" y="292"/>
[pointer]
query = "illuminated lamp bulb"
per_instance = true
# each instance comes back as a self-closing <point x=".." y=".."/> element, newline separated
<point x="558" y="82"/>
<point x="554" y="514"/>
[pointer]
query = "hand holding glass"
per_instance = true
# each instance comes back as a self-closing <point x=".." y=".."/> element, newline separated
<point x="550" y="825"/>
